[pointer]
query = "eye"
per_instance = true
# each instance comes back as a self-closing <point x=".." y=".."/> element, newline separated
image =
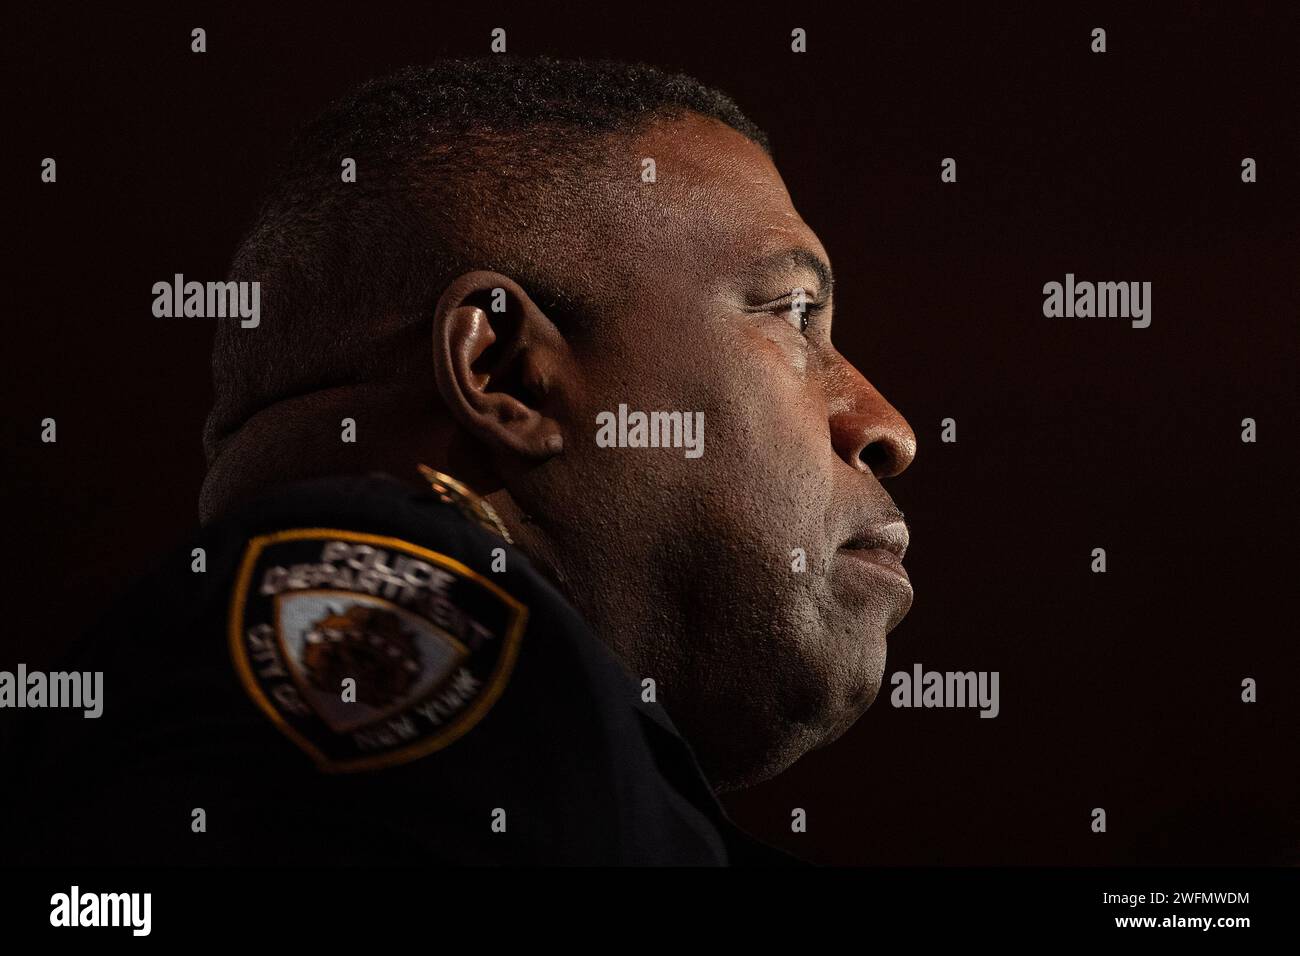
<point x="797" y="315"/>
<point x="797" y="311"/>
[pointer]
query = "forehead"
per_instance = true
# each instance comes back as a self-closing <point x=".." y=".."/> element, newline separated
<point x="717" y="203"/>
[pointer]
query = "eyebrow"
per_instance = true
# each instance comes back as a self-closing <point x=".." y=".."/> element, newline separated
<point x="802" y="258"/>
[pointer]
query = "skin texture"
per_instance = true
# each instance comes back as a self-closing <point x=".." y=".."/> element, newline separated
<point x="682" y="566"/>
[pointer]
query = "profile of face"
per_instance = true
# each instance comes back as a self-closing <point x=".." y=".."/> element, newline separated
<point x="755" y="583"/>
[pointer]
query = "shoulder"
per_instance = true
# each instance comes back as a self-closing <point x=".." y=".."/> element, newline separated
<point x="363" y="657"/>
<point x="373" y="623"/>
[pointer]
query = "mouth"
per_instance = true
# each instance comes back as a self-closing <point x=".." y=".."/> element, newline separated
<point x="881" y="548"/>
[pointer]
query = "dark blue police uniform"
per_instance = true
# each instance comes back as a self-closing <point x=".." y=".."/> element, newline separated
<point x="364" y="672"/>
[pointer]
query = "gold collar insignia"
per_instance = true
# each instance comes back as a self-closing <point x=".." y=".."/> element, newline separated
<point x="470" y="504"/>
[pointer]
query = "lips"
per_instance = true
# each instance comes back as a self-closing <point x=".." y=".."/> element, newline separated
<point x="892" y="538"/>
<point x="881" y="547"/>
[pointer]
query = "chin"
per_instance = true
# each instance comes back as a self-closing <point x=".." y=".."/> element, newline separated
<point x="850" y="693"/>
<point x="755" y="771"/>
<point x="837" y="711"/>
<point x="850" y="717"/>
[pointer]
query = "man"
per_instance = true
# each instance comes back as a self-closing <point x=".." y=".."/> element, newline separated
<point x="377" y="663"/>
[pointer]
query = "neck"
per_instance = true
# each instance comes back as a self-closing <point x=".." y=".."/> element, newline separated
<point x="303" y="437"/>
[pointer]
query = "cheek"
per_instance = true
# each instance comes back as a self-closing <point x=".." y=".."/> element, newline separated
<point x="768" y="440"/>
<point x="770" y="347"/>
<point x="763" y="366"/>
<point x="779" y="416"/>
<point x="764" y="474"/>
<point x="783" y="350"/>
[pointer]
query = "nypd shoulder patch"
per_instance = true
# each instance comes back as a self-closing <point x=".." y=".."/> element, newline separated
<point x="368" y="651"/>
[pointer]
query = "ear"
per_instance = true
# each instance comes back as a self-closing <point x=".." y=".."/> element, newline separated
<point x="499" y="361"/>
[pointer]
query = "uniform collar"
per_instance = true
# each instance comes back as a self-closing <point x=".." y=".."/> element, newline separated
<point x="677" y="762"/>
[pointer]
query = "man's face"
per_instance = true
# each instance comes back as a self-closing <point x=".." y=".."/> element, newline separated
<point x="742" y="581"/>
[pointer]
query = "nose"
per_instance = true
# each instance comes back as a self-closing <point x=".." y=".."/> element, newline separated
<point x="867" y="431"/>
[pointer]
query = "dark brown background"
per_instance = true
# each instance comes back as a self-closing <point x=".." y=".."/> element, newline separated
<point x="1118" y="690"/>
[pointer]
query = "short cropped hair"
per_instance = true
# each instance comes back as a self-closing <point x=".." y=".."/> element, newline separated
<point x="350" y="271"/>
